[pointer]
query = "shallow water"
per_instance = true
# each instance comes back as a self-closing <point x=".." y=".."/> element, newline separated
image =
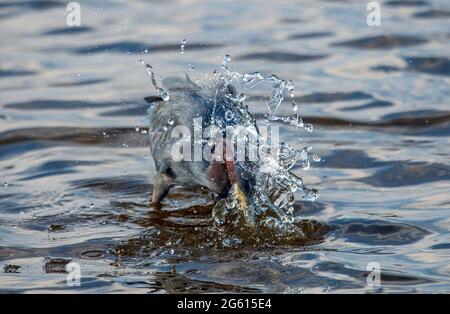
<point x="74" y="160"/>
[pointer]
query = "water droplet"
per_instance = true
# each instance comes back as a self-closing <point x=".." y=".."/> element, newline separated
<point x="159" y="91"/>
<point x="170" y="121"/>
<point x="6" y="184"/>
<point x="311" y="195"/>
<point x="229" y="115"/>
<point x="306" y="165"/>
<point x="275" y="185"/>
<point x="294" y="108"/>
<point x="91" y="206"/>
<point x="141" y="62"/>
<point x="149" y="69"/>
<point x="172" y="251"/>
<point x="225" y="61"/>
<point x="137" y="129"/>
<point x="316" y="158"/>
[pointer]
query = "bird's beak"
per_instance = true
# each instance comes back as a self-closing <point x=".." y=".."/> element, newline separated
<point x="241" y="197"/>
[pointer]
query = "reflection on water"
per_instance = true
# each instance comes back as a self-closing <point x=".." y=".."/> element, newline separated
<point x="75" y="171"/>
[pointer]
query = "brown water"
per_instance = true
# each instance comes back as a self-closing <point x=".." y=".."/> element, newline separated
<point x="74" y="160"/>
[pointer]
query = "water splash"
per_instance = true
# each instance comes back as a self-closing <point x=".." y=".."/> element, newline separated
<point x="183" y="44"/>
<point x="272" y="197"/>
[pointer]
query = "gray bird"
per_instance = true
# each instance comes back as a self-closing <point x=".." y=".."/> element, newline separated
<point x="219" y="106"/>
